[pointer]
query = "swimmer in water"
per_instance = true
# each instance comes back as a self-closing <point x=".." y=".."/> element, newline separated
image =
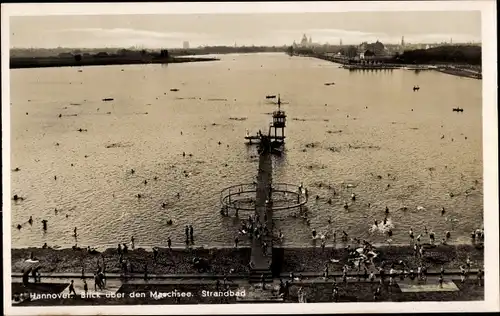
<point x="386" y="210"/>
<point x="442" y="211"/>
<point x="30" y="220"/>
<point x="353" y="197"/>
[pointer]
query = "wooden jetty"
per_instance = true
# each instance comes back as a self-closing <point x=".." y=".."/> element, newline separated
<point x="262" y="262"/>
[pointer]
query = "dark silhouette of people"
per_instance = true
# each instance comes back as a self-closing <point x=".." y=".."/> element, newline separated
<point x="44" y="223"/>
<point x="155" y="254"/>
<point x="72" y="288"/>
<point x="85" y="287"/>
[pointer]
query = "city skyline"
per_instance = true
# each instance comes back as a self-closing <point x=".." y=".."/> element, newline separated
<point x="269" y="29"/>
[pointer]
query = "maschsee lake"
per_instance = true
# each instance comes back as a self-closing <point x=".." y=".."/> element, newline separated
<point x="368" y="134"/>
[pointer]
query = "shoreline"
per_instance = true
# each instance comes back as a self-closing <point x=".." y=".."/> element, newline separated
<point x="232" y="260"/>
<point x="55" y="62"/>
<point x="449" y="70"/>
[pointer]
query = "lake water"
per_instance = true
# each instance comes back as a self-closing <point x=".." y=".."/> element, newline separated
<point x="376" y="123"/>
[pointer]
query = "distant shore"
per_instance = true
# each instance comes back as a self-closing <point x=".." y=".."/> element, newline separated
<point x="44" y="62"/>
<point x="223" y="260"/>
<point x="455" y="69"/>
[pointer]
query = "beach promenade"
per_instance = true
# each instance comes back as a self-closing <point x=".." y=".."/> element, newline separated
<point x="136" y="290"/>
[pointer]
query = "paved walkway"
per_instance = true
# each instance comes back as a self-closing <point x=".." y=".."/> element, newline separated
<point x="208" y="276"/>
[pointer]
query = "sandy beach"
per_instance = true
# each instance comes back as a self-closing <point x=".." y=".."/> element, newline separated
<point x="222" y="260"/>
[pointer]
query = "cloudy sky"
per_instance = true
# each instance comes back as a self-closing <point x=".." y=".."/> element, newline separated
<point x="168" y="31"/>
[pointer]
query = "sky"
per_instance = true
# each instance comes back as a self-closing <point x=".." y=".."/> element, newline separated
<point x="170" y="31"/>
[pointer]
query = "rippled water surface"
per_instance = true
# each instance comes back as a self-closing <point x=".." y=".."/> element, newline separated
<point x="373" y="121"/>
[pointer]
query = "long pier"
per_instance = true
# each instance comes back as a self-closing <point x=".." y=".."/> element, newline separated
<point x="262" y="261"/>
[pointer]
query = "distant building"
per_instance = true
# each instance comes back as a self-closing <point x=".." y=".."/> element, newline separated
<point x="304" y="41"/>
<point x="368" y="54"/>
<point x="185" y="45"/>
<point x="340" y="42"/>
<point x="102" y="54"/>
<point x="65" y="55"/>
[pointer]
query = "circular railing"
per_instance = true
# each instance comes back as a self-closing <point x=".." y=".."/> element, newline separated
<point x="283" y="196"/>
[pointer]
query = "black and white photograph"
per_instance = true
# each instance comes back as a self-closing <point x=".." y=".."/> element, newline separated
<point x="207" y="155"/>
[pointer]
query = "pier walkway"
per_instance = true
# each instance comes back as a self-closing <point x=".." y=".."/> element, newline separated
<point x="263" y="210"/>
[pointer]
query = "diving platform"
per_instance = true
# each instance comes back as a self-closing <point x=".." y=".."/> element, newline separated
<point x="276" y="133"/>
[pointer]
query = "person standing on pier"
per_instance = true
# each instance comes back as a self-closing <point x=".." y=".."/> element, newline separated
<point x="264" y="248"/>
<point x="186" y="231"/>
<point x="155" y="254"/>
<point x="468" y="263"/>
<point x="431" y="238"/>
<point x="169" y="243"/>
<point x="236" y="240"/>
<point x="72" y="289"/>
<point x="480" y="275"/>
<point x="463" y="274"/>
<point x="132" y="241"/>
<point x="85" y="287"/>
<point x="191" y="234"/>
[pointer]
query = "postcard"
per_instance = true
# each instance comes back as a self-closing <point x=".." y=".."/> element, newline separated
<point x="305" y="157"/>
